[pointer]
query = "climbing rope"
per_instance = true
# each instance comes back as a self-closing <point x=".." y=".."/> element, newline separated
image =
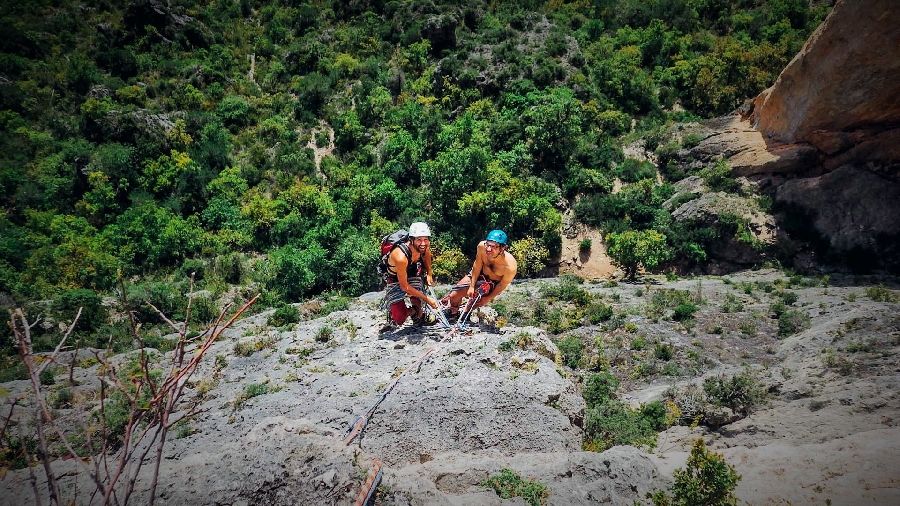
<point x="373" y="478"/>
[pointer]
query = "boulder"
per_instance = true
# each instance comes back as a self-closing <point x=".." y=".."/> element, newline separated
<point x="709" y="209"/>
<point x="855" y="208"/>
<point x="842" y="89"/>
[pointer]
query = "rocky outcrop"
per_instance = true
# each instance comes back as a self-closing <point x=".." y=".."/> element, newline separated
<point x="854" y="208"/>
<point x="747" y="151"/>
<point x="841" y="93"/>
<point x="720" y="211"/>
<point x="824" y="141"/>
<point x="470" y="409"/>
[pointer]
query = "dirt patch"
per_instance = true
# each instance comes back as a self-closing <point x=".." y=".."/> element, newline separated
<point x="589" y="263"/>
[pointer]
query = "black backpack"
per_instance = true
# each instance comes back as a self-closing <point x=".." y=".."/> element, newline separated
<point x="388" y="243"/>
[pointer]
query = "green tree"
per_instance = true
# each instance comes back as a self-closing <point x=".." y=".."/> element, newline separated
<point x="707" y="479"/>
<point x="635" y="248"/>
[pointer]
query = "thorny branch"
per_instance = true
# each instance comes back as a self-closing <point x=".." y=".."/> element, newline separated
<point x="149" y="416"/>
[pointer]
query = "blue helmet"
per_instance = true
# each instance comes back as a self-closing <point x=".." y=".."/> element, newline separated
<point x="497" y="236"/>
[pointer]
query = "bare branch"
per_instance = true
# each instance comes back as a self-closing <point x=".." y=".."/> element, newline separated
<point x="52" y="358"/>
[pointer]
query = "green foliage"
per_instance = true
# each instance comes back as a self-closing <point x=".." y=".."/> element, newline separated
<point x="284" y="315"/>
<point x="684" y="312"/>
<point x="298" y="272"/>
<point x="93" y="314"/>
<point x="334" y="304"/>
<point x="62" y="399"/>
<point x="614" y="423"/>
<point x="572" y="350"/>
<point x="247" y="348"/>
<point x="567" y="289"/>
<point x="189" y="141"/>
<point x="255" y="390"/>
<point x="663" y="352"/>
<point x="881" y="294"/>
<point x="324" y="334"/>
<point x="741" y="392"/>
<point x="718" y="177"/>
<point x="12" y="453"/>
<point x="635" y="249"/>
<point x="732" y="304"/>
<point x="599" y="389"/>
<point x="531" y="257"/>
<point x="632" y="171"/>
<point x="509" y="484"/>
<point x="707" y="479"/>
<point x="450" y="264"/>
<point x="791" y="322"/>
<point x="598" y="312"/>
<point x="48" y="377"/>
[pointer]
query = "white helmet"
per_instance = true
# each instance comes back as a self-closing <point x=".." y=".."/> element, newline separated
<point x="419" y="229"/>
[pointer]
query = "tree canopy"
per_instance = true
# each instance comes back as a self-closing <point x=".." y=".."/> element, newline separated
<point x="137" y="137"/>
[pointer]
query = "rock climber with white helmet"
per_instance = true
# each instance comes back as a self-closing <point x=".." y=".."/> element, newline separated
<point x="493" y="270"/>
<point x="408" y="269"/>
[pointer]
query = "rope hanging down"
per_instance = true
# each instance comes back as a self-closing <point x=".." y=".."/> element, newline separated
<point x="373" y="478"/>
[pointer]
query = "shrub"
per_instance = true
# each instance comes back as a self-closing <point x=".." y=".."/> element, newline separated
<point x="195" y="266"/>
<point x="789" y="298"/>
<point x="285" y="315"/>
<point x="571" y="349"/>
<point x="509" y="484"/>
<point x="203" y="310"/>
<point x="662" y="352"/>
<point x="584" y="246"/>
<point x="655" y="413"/>
<point x="791" y="322"/>
<point x="324" y="334"/>
<point x="732" y="304"/>
<point x="247" y="348"/>
<point x="599" y="389"/>
<point x="614" y="423"/>
<point x="230" y="267"/>
<point x="334" y="304"/>
<point x="531" y="256"/>
<point x="638" y="343"/>
<point x="597" y="312"/>
<point x="567" y="290"/>
<point x="740" y="393"/>
<point x="93" y="314"/>
<point x="450" y="264"/>
<point x="632" y="249"/>
<point x="707" y="479"/>
<point x="255" y="390"/>
<point x="881" y="294"/>
<point x="47" y="377"/>
<point x="718" y="178"/>
<point x="62" y="399"/>
<point x="684" y="312"/>
<point x="632" y="171"/>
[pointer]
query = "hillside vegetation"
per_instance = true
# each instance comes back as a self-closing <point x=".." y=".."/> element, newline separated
<point x="274" y="143"/>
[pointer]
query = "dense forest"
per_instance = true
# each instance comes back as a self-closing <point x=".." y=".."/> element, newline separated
<point x="274" y="143"/>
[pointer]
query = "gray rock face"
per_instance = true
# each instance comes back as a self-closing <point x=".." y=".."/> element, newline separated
<point x="855" y="208"/>
<point x="452" y="420"/>
<point x="709" y="208"/>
